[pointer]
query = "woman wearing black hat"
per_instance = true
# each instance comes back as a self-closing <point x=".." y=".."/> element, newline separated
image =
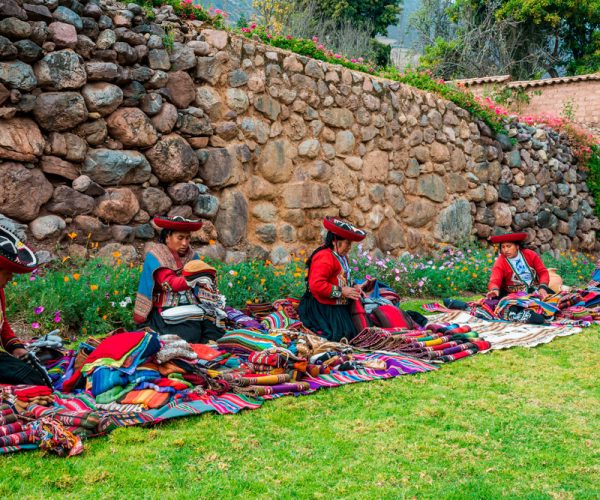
<point x="15" y="258"/>
<point x="177" y="293"/>
<point x="325" y="307"/>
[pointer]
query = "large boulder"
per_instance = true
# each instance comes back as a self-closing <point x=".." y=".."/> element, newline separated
<point x="47" y="226"/>
<point x="419" y="212"/>
<point x="431" y="186"/>
<point x="275" y="162"/>
<point x="306" y="195"/>
<point x="68" y="202"/>
<point x="17" y="75"/>
<point x="165" y="119"/>
<point x="338" y="117"/>
<point x="221" y="168"/>
<point x="454" y="223"/>
<point x="61" y="70"/>
<point x="155" y="201"/>
<point x="20" y="139"/>
<point x="181" y="88"/>
<point x="118" y="205"/>
<point x="20" y="230"/>
<point x="57" y="166"/>
<point x="232" y="219"/>
<point x="102" y="97"/>
<point x="17" y="184"/>
<point x="390" y="236"/>
<point x="173" y="159"/>
<point x="111" y="167"/>
<point x="98" y="231"/>
<point x="183" y="193"/>
<point x="376" y="166"/>
<point x="132" y="127"/>
<point x="58" y="111"/>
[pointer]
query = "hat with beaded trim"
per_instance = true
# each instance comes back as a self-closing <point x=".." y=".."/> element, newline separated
<point x="15" y="256"/>
<point x="177" y="223"/>
<point x="343" y="229"/>
<point x="508" y="238"/>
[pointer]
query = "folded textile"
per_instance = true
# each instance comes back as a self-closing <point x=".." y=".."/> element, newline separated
<point x="32" y="391"/>
<point x="148" y="398"/>
<point x="242" y="320"/>
<point x="174" y="347"/>
<point x="123" y="350"/>
<point x="244" y="342"/>
<point x="205" y="352"/>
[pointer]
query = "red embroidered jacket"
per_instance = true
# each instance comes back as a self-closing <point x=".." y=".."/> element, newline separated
<point x="326" y="278"/>
<point x="504" y="279"/>
<point x="9" y="340"/>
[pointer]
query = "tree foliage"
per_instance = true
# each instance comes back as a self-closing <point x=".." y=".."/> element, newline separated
<point x="526" y="38"/>
<point x="378" y="14"/>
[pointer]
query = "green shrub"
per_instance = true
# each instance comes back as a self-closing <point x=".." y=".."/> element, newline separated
<point x="92" y="297"/>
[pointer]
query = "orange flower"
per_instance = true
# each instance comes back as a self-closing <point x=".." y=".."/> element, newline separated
<point x="116" y="292"/>
<point x="72" y="235"/>
<point x="93" y="288"/>
<point x="211" y="242"/>
<point x="104" y="317"/>
<point x="76" y="276"/>
<point x="116" y="255"/>
<point x="66" y="279"/>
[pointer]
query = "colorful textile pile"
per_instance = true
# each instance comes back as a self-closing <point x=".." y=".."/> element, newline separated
<point x="576" y="308"/>
<point x="140" y="378"/>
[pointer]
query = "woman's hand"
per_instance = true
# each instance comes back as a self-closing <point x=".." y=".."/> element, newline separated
<point x="492" y="294"/>
<point x="542" y="293"/>
<point x="350" y="293"/>
<point x="20" y="353"/>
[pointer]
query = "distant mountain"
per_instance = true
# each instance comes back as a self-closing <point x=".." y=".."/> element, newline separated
<point x="234" y="8"/>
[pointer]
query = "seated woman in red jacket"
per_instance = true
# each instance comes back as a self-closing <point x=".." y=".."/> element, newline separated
<point x="15" y="257"/>
<point x="174" y="277"/>
<point x="324" y="309"/>
<point x="517" y="269"/>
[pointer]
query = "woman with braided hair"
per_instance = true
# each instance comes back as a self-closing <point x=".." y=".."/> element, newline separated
<point x="177" y="293"/>
<point x="325" y="307"/>
<point x="15" y="258"/>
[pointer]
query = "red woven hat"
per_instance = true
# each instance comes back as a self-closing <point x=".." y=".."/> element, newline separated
<point x="508" y="238"/>
<point x="15" y="256"/>
<point x="343" y="229"/>
<point x="177" y="223"/>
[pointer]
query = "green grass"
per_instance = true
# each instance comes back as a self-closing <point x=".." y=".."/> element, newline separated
<point x="517" y="423"/>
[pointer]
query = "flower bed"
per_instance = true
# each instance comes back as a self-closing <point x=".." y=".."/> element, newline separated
<point x="92" y="297"/>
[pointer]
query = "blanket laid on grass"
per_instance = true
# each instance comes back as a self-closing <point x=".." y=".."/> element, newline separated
<point x="504" y="334"/>
<point x="140" y="378"/>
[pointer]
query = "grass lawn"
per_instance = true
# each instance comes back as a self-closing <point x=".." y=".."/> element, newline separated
<point x="521" y="422"/>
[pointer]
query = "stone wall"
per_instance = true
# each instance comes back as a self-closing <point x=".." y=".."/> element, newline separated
<point x="102" y="127"/>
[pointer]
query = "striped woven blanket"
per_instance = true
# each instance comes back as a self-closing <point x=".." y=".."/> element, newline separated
<point x="504" y="334"/>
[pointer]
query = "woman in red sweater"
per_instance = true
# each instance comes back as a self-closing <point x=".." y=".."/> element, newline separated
<point x="324" y="309"/>
<point x="174" y="277"/>
<point x="517" y="269"/>
<point x="15" y="257"/>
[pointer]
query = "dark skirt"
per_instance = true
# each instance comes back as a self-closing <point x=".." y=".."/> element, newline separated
<point x="192" y="331"/>
<point x="332" y="322"/>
